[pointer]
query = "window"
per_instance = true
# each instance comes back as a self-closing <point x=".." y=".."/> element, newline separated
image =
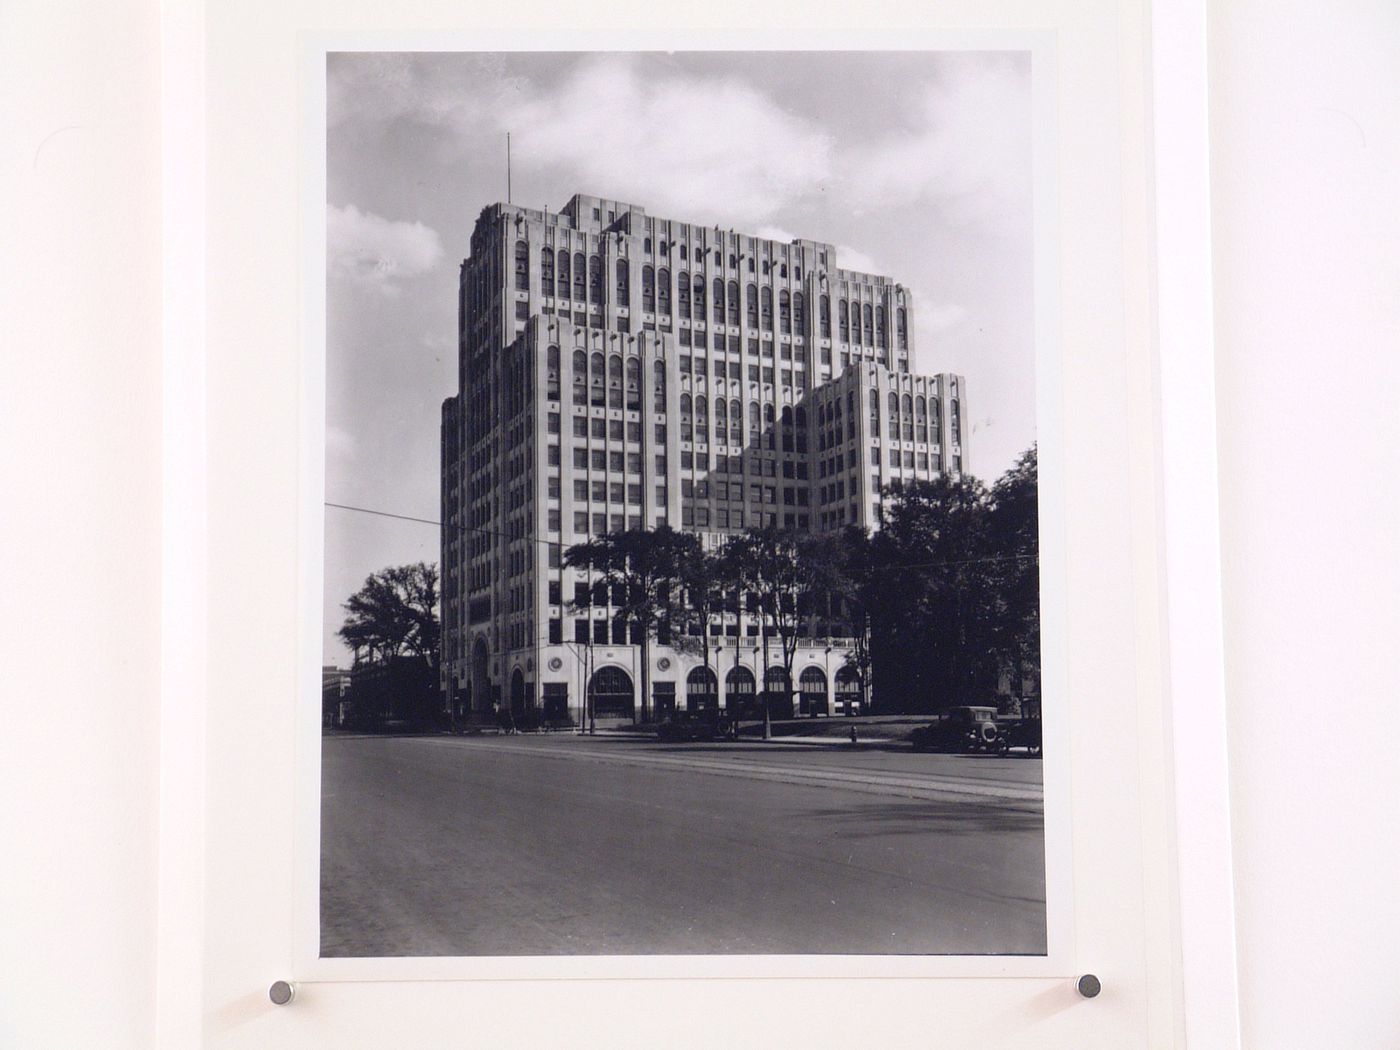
<point x="599" y="428"/>
<point x="634" y="384"/>
<point x="581" y="458"/>
<point x="869" y="316"/>
<point x="766" y="297"/>
<point x="683" y="292"/>
<point x="785" y="312"/>
<point x="580" y="490"/>
<point x="733" y="301"/>
<point x="799" y="311"/>
<point x="595" y="279"/>
<point x="901" y="328"/>
<point x="663" y="288"/>
<point x="843" y="309"/>
<point x="699" y="297"/>
<point x="648" y="287"/>
<point x="547" y="271"/>
<point x="717" y="304"/>
<point x="824" y="307"/>
<point x="659" y="398"/>
<point x="579" y="275"/>
<point x="522" y="266"/>
<point x="624" y="282"/>
<point x="563" y="272"/>
<point x="880" y="327"/>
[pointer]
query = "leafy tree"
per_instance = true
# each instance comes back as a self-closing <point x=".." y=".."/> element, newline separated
<point x="934" y="625"/>
<point x="702" y="598"/>
<point x="768" y="563"/>
<point x="643" y="567"/>
<point x="395" y="613"/>
<point x="839" y="566"/>
<point x="1014" y="531"/>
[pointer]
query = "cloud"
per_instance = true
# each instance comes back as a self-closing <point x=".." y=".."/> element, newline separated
<point x="932" y="318"/>
<point x="707" y="148"/>
<point x="963" y="146"/>
<point x="853" y="259"/>
<point x="373" y="252"/>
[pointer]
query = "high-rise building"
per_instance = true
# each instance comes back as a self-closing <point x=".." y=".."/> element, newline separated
<point x="618" y="370"/>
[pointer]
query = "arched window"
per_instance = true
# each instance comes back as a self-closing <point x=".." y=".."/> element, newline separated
<point x="785" y="312"/>
<point x="874" y="412"/>
<point x="880" y="327"/>
<point x="787" y="428"/>
<point x="901" y="321"/>
<point x="580" y="275"/>
<point x="702" y="411"/>
<point x="634" y="384"/>
<point x="663" y="287"/>
<point x="615" y="381"/>
<point x="580" y="376"/>
<point x="718" y="304"/>
<point x="563" y="273"/>
<point x="869" y="325"/>
<point x="752" y="297"/>
<point x="754" y="425"/>
<point x="736" y="422"/>
<point x="699" y="297"/>
<point x="624" y="281"/>
<point x="649" y="289"/>
<point x="844" y="312"/>
<point x="552" y="373"/>
<point x="739" y="688"/>
<point x="768" y="425"/>
<point x="522" y="266"/>
<point x="701" y="690"/>
<point x="595" y="279"/>
<point x="734" y="302"/>
<point x="659" y="392"/>
<point x="935" y="418"/>
<point x="894" y="414"/>
<point x="921" y="417"/>
<point x="812" y="691"/>
<point x="955" y="422"/>
<point x="596" y="396"/>
<point x="906" y="408"/>
<point x="683" y="293"/>
<point x="766" y="297"/>
<point x="685" y="415"/>
<point x="547" y="271"/>
<point x="721" y="418"/>
<point x="799" y="312"/>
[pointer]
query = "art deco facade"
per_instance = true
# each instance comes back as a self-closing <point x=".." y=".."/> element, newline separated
<point x="620" y="370"/>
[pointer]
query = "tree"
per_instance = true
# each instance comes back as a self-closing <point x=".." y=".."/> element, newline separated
<point x="394" y="616"/>
<point x="702" y="598"/>
<point x="642" y="567"/>
<point x="1014" y="531"/>
<point x="934" y="625"/>
<point x="768" y="563"/>
<point x="839" y="567"/>
<point x="394" y="612"/>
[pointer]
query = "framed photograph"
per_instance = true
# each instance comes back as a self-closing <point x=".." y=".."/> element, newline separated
<point x="688" y="531"/>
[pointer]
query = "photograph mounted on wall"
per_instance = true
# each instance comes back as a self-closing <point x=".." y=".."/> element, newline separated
<point x="682" y="577"/>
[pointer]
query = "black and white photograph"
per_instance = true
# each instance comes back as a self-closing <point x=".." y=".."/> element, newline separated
<point x="682" y="578"/>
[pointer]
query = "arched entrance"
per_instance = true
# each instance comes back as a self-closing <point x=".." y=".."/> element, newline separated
<point x="739" y="690"/>
<point x="812" y="691"/>
<point x="479" y="688"/>
<point x="517" y="693"/>
<point x="847" y="692"/>
<point x="612" y="693"/>
<point x="775" y="683"/>
<point x="701" y="690"/>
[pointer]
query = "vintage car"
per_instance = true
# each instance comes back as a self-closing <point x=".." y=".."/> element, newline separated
<point x="967" y="729"/>
<point x="684" y="726"/>
<point x="1023" y="733"/>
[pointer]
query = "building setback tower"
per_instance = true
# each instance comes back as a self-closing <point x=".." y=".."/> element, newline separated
<point x="617" y="370"/>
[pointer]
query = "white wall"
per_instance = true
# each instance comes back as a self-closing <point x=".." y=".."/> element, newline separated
<point x="1306" y="142"/>
<point x="79" y="522"/>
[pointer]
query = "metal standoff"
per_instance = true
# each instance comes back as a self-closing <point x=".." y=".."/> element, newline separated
<point x="282" y="992"/>
<point x="1088" y="986"/>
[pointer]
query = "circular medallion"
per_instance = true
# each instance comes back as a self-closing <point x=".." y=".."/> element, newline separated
<point x="555" y="663"/>
<point x="664" y="663"/>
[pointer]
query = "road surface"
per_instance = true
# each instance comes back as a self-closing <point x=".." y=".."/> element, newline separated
<point x="558" y="844"/>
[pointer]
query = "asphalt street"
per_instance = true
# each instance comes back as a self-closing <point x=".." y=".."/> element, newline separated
<point x="547" y="845"/>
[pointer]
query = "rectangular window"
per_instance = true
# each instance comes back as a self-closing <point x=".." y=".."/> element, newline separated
<point x="554" y="422"/>
<point x="615" y="430"/>
<point x="580" y="427"/>
<point x="581" y="631"/>
<point x="600" y="491"/>
<point x="600" y="459"/>
<point x="552" y="488"/>
<point x="634" y="431"/>
<point x="600" y="428"/>
<point x="553" y="519"/>
<point x="553" y="455"/>
<point x="581" y="458"/>
<point x="600" y="524"/>
<point x="600" y="632"/>
<point x="615" y="461"/>
<point x="580" y="490"/>
<point x="556" y="593"/>
<point x="615" y="492"/>
<point x="581" y="522"/>
<point x="702" y="517"/>
<point x="634" y="495"/>
<point x="556" y="631"/>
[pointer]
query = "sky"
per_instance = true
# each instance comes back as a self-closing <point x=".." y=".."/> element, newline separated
<point x="916" y="165"/>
